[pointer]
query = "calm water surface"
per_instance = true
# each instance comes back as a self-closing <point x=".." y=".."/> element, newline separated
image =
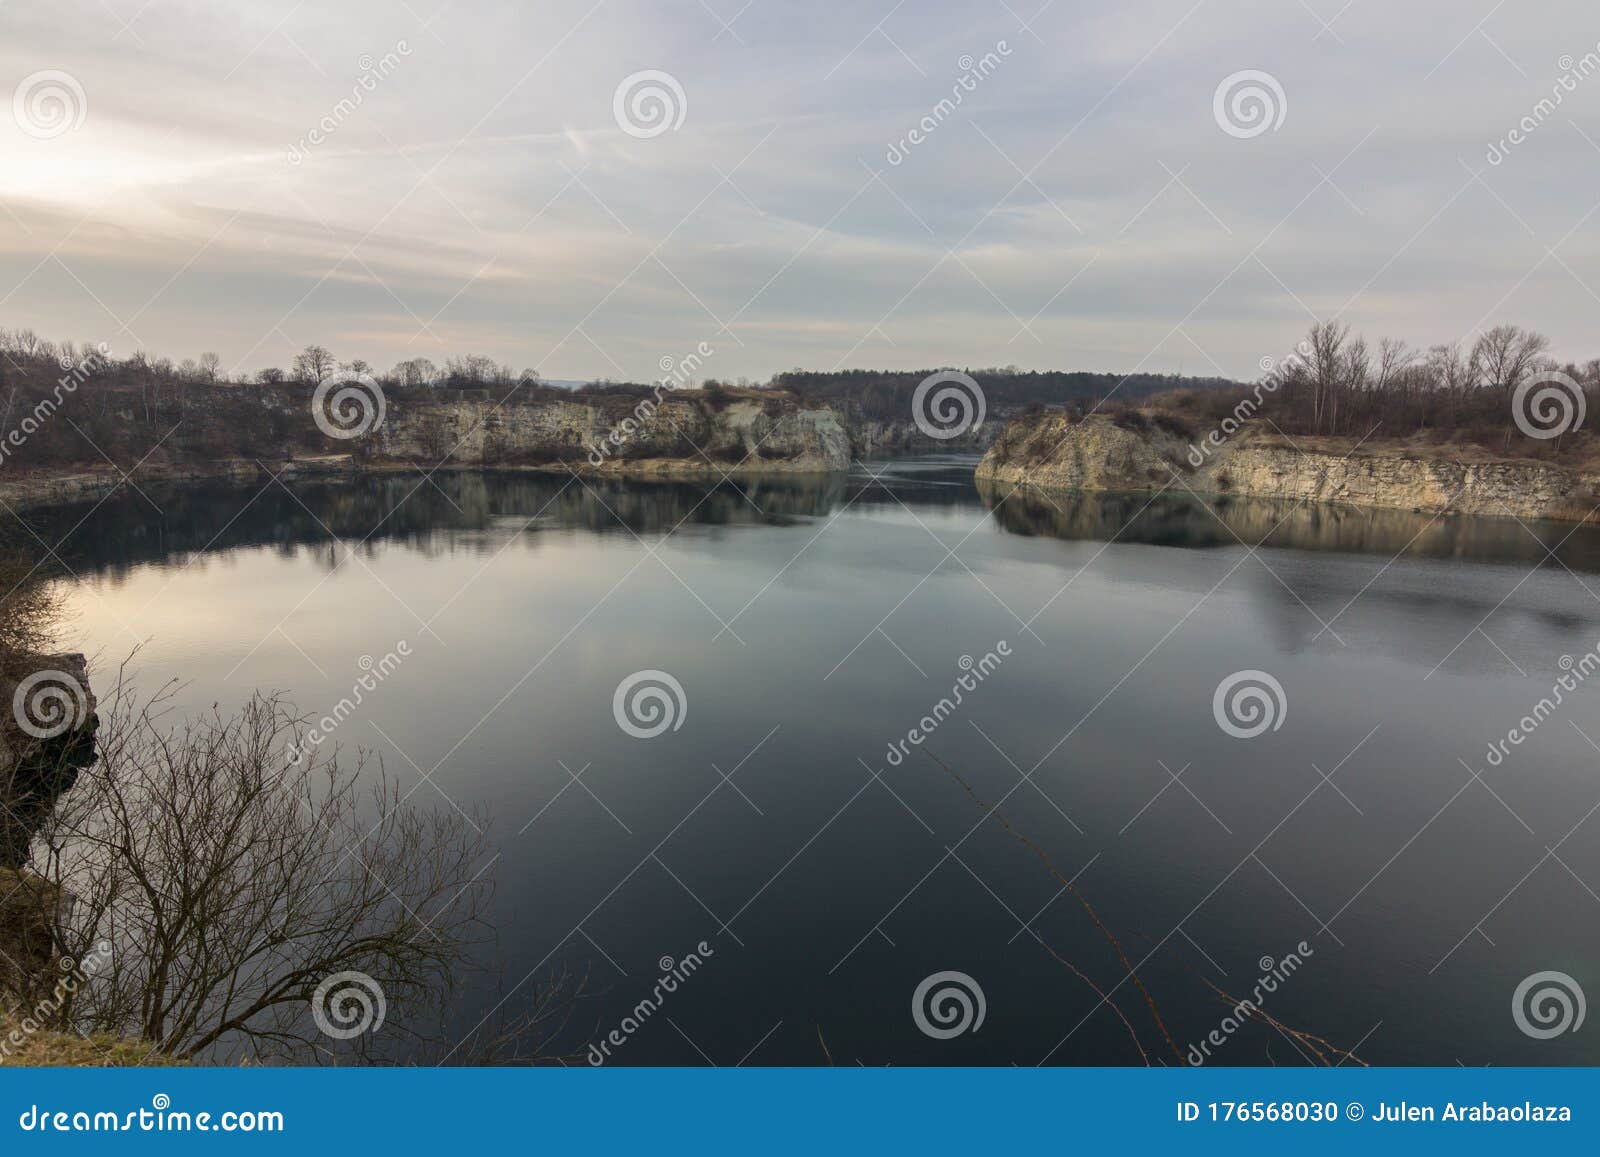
<point x="813" y="623"/>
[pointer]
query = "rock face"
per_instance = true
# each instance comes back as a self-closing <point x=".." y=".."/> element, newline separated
<point x="1097" y="454"/>
<point x="678" y="436"/>
<point x="47" y="726"/>
<point x="1052" y="452"/>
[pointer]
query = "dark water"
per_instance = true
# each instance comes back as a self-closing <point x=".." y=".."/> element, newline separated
<point x="812" y="623"/>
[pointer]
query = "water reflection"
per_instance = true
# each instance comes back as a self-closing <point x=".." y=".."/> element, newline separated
<point x="475" y="511"/>
<point x="529" y="600"/>
<point x="1183" y="520"/>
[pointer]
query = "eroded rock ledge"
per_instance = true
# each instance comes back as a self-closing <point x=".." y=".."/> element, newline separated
<point x="1150" y="451"/>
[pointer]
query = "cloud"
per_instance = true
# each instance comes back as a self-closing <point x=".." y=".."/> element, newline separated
<point x="1077" y="206"/>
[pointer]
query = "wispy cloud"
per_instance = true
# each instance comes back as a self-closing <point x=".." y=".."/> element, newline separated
<point x="481" y="194"/>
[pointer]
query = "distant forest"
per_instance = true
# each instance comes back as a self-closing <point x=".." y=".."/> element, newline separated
<point x="1502" y="392"/>
<point x="885" y="395"/>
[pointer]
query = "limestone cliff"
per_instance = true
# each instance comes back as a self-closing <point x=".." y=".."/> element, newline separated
<point x="250" y="431"/>
<point x="679" y="436"/>
<point x="1053" y="452"/>
<point x="1149" y="451"/>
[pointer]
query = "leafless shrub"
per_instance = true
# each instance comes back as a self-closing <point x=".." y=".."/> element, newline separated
<point x="230" y="883"/>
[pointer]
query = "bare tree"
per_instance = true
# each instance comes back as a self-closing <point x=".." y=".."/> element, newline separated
<point x="230" y="881"/>
<point x="313" y="363"/>
<point x="415" y="372"/>
<point x="1508" y="354"/>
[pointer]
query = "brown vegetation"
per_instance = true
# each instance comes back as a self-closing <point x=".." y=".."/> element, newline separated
<point x="1337" y="386"/>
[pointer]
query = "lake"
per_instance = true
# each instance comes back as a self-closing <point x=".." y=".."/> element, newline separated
<point x="804" y="808"/>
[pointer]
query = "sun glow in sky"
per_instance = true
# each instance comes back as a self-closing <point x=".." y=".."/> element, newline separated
<point x="396" y="180"/>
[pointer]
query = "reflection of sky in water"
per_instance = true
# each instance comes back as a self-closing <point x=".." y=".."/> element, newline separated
<point x="526" y="603"/>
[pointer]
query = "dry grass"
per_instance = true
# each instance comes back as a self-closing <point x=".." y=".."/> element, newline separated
<point x="67" y="1049"/>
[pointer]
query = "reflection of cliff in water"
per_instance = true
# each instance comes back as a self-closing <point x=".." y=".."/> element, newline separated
<point x="431" y="515"/>
<point x="1220" y="521"/>
<point x="473" y="512"/>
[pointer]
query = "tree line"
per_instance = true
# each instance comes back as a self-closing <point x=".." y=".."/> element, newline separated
<point x="1336" y="383"/>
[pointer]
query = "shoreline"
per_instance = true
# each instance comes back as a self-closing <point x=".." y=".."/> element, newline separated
<point x="87" y="484"/>
<point x="1269" y="472"/>
<point x="1053" y="454"/>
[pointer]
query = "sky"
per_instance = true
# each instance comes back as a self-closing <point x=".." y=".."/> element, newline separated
<point x="426" y="178"/>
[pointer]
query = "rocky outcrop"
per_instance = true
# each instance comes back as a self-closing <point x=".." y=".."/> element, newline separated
<point x="1149" y="451"/>
<point x="1385" y="476"/>
<point x="679" y="435"/>
<point x="47" y="727"/>
<point x="688" y="434"/>
<point x="1053" y="452"/>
